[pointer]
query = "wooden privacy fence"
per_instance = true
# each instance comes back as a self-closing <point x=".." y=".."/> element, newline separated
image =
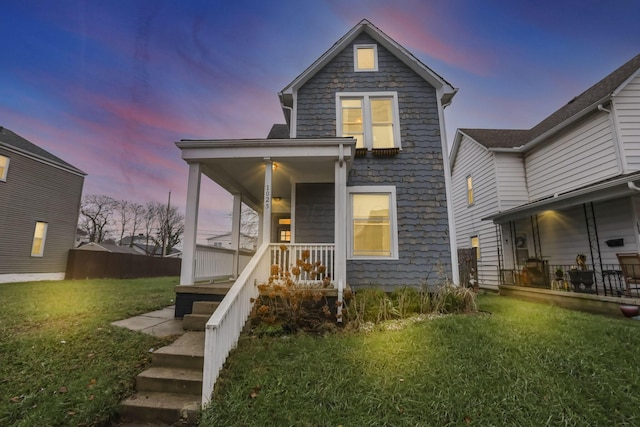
<point x="83" y="264"/>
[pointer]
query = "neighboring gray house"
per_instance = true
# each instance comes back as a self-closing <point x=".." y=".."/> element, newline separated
<point x="539" y="197"/>
<point x="108" y="247"/>
<point x="40" y="198"/>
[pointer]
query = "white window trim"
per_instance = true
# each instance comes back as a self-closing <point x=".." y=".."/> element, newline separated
<point x="44" y="239"/>
<point x="3" y="177"/>
<point x="355" y="58"/>
<point x="366" y="113"/>
<point x="393" y="219"/>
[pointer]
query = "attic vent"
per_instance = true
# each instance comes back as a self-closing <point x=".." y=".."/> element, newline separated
<point x="574" y="98"/>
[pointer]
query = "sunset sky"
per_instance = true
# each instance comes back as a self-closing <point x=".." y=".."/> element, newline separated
<point x="109" y="86"/>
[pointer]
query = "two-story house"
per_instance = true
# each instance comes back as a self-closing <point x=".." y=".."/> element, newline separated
<point x="356" y="179"/>
<point x="534" y="201"/>
<point x="40" y="197"/>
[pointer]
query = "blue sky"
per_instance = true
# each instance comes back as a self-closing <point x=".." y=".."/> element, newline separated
<point x="109" y="86"/>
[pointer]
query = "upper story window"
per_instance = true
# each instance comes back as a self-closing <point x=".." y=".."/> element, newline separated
<point x="372" y="232"/>
<point x="39" y="237"/>
<point x="370" y="118"/>
<point x="365" y="57"/>
<point x="469" y="190"/>
<point x="4" y="167"/>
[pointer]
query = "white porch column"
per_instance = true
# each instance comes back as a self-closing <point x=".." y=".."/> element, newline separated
<point x="340" y="239"/>
<point x="268" y="193"/>
<point x="235" y="232"/>
<point x="187" y="272"/>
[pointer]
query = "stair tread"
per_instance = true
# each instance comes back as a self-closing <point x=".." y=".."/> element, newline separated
<point x="164" y="400"/>
<point x="189" y="344"/>
<point x="172" y="373"/>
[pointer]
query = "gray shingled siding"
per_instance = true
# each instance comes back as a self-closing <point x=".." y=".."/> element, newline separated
<point x="315" y="216"/>
<point x="417" y="171"/>
<point x="37" y="192"/>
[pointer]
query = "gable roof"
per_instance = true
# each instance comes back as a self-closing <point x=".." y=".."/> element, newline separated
<point x="445" y="90"/>
<point x="15" y="142"/>
<point x="587" y="101"/>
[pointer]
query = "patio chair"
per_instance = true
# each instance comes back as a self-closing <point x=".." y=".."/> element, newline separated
<point x="630" y="266"/>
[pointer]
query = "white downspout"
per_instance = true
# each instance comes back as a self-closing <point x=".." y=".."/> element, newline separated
<point x="455" y="274"/>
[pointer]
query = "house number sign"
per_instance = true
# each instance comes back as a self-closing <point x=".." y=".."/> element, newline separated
<point x="267" y="196"/>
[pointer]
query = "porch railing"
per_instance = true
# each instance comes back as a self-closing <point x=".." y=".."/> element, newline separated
<point x="307" y="263"/>
<point x="224" y="327"/>
<point x="214" y="263"/>
<point x="609" y="281"/>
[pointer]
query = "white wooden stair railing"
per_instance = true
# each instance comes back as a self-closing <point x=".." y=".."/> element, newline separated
<point x="225" y="325"/>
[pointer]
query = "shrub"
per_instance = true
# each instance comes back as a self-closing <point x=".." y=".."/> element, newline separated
<point x="373" y="305"/>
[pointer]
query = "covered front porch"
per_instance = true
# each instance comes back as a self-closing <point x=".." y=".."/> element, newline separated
<point x="583" y="242"/>
<point x="298" y="187"/>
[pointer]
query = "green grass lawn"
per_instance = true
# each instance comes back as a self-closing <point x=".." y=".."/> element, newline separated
<point x="523" y="364"/>
<point x="61" y="362"/>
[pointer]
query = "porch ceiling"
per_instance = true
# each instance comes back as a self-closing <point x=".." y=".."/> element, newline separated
<point x="238" y="165"/>
<point x="613" y="188"/>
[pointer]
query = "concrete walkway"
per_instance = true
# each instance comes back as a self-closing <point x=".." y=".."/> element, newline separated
<point x="160" y="323"/>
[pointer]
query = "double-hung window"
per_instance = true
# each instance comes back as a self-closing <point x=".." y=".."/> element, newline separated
<point x="4" y="167"/>
<point x="372" y="232"/>
<point x="39" y="237"/>
<point x="370" y="118"/>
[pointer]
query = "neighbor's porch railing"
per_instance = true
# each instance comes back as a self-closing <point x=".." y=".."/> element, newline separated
<point x="608" y="282"/>
<point x="214" y="263"/>
<point x="307" y="257"/>
<point x="224" y="327"/>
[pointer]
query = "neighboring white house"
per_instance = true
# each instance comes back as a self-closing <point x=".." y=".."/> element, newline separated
<point x="224" y="241"/>
<point x="567" y="186"/>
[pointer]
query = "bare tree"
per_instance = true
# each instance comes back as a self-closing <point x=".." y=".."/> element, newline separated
<point x="137" y="212"/>
<point x="122" y="208"/>
<point x="150" y="223"/>
<point x="96" y="215"/>
<point x="171" y="227"/>
<point x="249" y="222"/>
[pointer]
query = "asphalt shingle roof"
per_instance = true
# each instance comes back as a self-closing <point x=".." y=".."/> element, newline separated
<point x="501" y="138"/>
<point x="13" y="140"/>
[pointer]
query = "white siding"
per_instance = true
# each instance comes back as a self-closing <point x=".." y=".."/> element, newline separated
<point x="580" y="156"/>
<point x="511" y="180"/>
<point x="475" y="161"/>
<point x="627" y="111"/>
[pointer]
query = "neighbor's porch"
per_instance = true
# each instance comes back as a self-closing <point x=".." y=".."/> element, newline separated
<point x="582" y="244"/>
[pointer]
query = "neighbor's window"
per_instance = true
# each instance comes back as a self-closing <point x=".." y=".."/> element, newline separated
<point x="372" y="232"/>
<point x="365" y="57"/>
<point x="39" y="237"/>
<point x="371" y="119"/>
<point x="469" y="190"/>
<point x="4" y="167"/>
<point x="475" y="243"/>
<point x="285" y="235"/>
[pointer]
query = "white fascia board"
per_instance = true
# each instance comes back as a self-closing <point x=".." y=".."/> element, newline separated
<point x="198" y="150"/>
<point x="626" y="82"/>
<point x="529" y="145"/>
<point x="568" y="199"/>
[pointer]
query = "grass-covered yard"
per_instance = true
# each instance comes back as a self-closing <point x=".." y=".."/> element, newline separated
<point x="61" y="362"/>
<point x="524" y="364"/>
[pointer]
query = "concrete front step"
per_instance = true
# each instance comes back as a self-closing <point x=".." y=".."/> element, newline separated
<point x="170" y="380"/>
<point x="195" y="322"/>
<point x="161" y="407"/>
<point x="186" y="352"/>
<point x="204" y="307"/>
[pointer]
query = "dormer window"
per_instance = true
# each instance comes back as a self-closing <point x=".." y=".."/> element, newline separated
<point x="365" y="57"/>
